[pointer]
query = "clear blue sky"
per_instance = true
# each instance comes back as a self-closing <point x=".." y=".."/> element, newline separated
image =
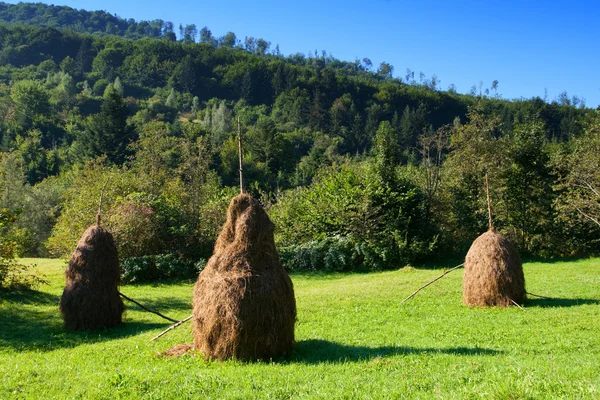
<point x="528" y="46"/>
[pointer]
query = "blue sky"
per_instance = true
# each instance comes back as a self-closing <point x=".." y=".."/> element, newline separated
<point x="528" y="46"/>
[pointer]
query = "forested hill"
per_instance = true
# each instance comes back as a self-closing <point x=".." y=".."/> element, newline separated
<point x="352" y="158"/>
<point x="95" y="22"/>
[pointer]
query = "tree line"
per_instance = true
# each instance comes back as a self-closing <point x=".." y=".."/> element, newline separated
<point x="358" y="169"/>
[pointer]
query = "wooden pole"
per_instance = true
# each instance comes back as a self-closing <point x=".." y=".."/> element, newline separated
<point x="427" y="284"/>
<point x="489" y="202"/>
<point x="171" y="328"/>
<point x="517" y="304"/>
<point x="147" y="309"/>
<point x="99" y="214"/>
<point x="240" y="154"/>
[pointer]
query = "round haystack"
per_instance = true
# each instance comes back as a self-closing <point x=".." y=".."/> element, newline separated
<point x="91" y="297"/>
<point x="493" y="272"/>
<point x="244" y="305"/>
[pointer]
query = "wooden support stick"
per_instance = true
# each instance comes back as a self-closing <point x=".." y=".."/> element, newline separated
<point x="240" y="154"/>
<point x="147" y="309"/>
<point x="171" y="328"/>
<point x="99" y="214"/>
<point x="427" y="284"/>
<point x="489" y="202"/>
<point x="517" y="304"/>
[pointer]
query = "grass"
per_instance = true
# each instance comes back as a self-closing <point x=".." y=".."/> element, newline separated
<point x="354" y="340"/>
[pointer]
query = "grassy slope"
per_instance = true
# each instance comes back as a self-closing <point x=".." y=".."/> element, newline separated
<point x="354" y="340"/>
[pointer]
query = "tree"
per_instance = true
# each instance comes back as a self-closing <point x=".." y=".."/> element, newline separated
<point x="385" y="70"/>
<point x="579" y="171"/>
<point x="108" y="133"/>
<point x="262" y="47"/>
<point x="189" y="33"/>
<point x="495" y="87"/>
<point x="31" y="100"/>
<point x="206" y="36"/>
<point x="228" y="40"/>
<point x="118" y="86"/>
<point x="387" y="150"/>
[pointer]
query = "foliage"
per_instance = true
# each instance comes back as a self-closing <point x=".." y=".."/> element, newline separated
<point x="13" y="274"/>
<point x="374" y="224"/>
<point x="165" y="266"/>
<point x="162" y="112"/>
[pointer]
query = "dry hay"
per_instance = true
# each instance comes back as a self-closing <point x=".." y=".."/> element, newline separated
<point x="91" y="299"/>
<point x="178" y="350"/>
<point x="244" y="305"/>
<point x="493" y="272"/>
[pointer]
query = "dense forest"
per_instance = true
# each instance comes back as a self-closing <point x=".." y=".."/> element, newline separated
<point x="360" y="170"/>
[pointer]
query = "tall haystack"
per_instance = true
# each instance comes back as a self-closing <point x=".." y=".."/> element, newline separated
<point x="91" y="299"/>
<point x="493" y="270"/>
<point x="244" y="305"/>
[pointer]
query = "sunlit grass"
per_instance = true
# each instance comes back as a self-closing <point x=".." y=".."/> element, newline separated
<point x="354" y="340"/>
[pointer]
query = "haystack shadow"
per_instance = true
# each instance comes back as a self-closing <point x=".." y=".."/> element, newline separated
<point x="315" y="351"/>
<point x="558" y="302"/>
<point x="26" y="328"/>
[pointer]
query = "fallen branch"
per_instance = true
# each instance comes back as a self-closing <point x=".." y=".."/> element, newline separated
<point x="517" y="304"/>
<point x="427" y="284"/>
<point x="171" y="328"/>
<point x="147" y="309"/>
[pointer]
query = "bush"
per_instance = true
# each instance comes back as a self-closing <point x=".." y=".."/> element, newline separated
<point x="12" y="274"/>
<point x="159" y="267"/>
<point x="333" y="254"/>
<point x="350" y="219"/>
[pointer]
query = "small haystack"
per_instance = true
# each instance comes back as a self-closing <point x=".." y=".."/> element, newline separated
<point x="91" y="299"/>
<point x="244" y="305"/>
<point x="493" y="270"/>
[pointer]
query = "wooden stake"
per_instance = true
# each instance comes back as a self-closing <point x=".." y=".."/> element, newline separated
<point x="171" y="328"/>
<point x="516" y="304"/>
<point x="489" y="202"/>
<point x="427" y="284"/>
<point x="240" y="155"/>
<point x="147" y="309"/>
<point x="99" y="214"/>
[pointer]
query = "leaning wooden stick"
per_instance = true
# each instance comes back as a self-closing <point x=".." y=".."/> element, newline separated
<point x="147" y="309"/>
<point x="427" y="284"/>
<point x="171" y="328"/>
<point x="517" y="304"/>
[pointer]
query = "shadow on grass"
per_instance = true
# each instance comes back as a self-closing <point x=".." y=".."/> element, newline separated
<point x="160" y="304"/>
<point x="30" y="320"/>
<point x="316" y="351"/>
<point x="558" y="302"/>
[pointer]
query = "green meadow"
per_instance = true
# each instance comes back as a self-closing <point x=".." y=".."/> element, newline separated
<point x="353" y="340"/>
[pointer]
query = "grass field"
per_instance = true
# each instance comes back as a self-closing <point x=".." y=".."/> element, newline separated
<point x="354" y="340"/>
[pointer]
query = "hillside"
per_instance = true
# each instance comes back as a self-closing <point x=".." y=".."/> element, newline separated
<point x="159" y="117"/>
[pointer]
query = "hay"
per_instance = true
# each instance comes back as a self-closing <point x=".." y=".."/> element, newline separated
<point x="244" y="305"/>
<point x="493" y="272"/>
<point x="178" y="350"/>
<point x="91" y="299"/>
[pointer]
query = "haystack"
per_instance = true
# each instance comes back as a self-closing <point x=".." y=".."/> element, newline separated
<point x="91" y="299"/>
<point x="244" y="305"/>
<point x="493" y="270"/>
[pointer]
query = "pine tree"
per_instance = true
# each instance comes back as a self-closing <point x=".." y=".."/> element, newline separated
<point x="108" y="133"/>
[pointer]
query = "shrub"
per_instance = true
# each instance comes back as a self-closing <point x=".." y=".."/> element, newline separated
<point x="12" y="274"/>
<point x="159" y="267"/>
<point x="333" y="254"/>
<point x="350" y="219"/>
